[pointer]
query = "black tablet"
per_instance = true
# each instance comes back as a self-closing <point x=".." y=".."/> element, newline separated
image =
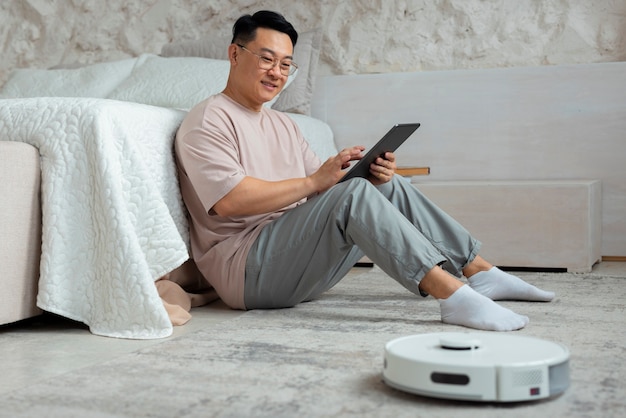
<point x="389" y="143"/>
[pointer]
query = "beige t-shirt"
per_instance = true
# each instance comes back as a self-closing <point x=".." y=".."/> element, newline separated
<point x="218" y="144"/>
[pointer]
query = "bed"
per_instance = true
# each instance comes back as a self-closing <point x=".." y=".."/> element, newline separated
<point x="113" y="222"/>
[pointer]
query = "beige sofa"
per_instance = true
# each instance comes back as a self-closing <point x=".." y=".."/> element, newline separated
<point x="20" y="229"/>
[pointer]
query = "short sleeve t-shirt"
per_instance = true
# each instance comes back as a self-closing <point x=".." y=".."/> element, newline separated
<point x="218" y="144"/>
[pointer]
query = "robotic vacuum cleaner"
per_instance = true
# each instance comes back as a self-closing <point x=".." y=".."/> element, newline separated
<point x="488" y="367"/>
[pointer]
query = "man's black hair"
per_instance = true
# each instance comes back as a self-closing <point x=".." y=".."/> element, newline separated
<point x="244" y="29"/>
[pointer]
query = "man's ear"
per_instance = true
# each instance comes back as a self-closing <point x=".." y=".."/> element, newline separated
<point x="232" y="53"/>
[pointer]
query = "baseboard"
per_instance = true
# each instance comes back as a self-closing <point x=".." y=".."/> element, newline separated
<point x="614" y="258"/>
<point x="534" y="269"/>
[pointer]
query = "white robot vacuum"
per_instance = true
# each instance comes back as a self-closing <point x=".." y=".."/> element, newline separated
<point x="488" y="367"/>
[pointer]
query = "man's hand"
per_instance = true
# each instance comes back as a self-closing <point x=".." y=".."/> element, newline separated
<point x="333" y="169"/>
<point x="383" y="168"/>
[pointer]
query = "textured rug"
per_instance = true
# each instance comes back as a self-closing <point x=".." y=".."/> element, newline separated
<point x="324" y="358"/>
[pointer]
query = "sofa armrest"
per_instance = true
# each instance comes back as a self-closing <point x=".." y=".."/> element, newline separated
<point x="20" y="229"/>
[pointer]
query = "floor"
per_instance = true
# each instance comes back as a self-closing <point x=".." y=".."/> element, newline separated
<point x="48" y="346"/>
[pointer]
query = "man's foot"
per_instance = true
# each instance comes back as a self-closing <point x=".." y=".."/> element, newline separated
<point x="499" y="285"/>
<point x="473" y="310"/>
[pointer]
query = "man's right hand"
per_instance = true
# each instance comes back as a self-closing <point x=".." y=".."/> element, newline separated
<point x="334" y="168"/>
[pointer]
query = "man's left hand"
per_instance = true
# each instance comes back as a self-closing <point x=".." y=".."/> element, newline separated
<point x="383" y="168"/>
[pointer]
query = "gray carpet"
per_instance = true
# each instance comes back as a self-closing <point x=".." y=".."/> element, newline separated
<point x="324" y="358"/>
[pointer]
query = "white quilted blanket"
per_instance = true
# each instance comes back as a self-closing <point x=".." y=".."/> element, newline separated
<point x="113" y="220"/>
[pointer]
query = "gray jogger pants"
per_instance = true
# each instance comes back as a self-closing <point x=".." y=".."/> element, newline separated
<point x="311" y="248"/>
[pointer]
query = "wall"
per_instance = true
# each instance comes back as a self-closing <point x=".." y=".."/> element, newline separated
<point x="361" y="36"/>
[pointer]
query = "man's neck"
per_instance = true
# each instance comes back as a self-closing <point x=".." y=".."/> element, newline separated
<point x="240" y="99"/>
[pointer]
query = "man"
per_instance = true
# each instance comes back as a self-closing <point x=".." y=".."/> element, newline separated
<point x="270" y="226"/>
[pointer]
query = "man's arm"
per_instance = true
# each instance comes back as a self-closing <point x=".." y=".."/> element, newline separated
<point x="254" y="196"/>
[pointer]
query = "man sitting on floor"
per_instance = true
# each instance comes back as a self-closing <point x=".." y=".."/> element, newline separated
<point x="270" y="226"/>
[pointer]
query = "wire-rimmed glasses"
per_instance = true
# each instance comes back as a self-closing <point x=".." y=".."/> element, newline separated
<point x="267" y="62"/>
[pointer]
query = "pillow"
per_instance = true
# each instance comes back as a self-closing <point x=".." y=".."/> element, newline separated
<point x="178" y="83"/>
<point x="295" y="97"/>
<point x="95" y="80"/>
<point x="174" y="82"/>
<point x="318" y="134"/>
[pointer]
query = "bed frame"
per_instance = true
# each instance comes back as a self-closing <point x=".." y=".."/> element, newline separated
<point x="500" y="129"/>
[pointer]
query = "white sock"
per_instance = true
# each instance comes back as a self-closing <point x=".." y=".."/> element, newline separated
<point x="473" y="310"/>
<point x="499" y="285"/>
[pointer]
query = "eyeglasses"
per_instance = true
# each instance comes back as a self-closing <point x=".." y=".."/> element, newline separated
<point x="267" y="62"/>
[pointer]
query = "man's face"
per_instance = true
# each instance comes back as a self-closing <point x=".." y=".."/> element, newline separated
<point x="255" y="85"/>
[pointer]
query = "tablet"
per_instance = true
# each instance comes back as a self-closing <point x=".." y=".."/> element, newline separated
<point x="389" y="143"/>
